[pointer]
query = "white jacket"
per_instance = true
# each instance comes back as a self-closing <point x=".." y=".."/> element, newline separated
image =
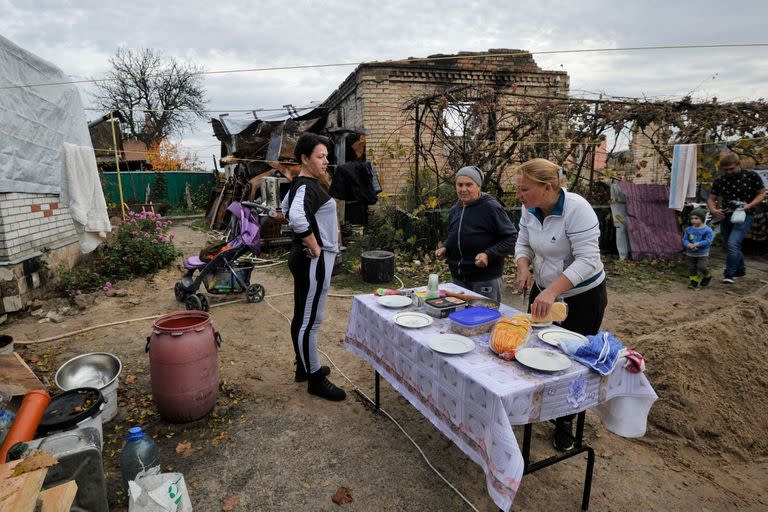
<point x="567" y="242"/>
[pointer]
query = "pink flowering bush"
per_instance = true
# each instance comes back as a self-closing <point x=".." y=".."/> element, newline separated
<point x="140" y="246"/>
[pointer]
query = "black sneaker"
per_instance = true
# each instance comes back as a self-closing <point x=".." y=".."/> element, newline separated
<point x="728" y="280"/>
<point x="301" y="373"/>
<point x="319" y="385"/>
<point x="705" y="281"/>
<point x="563" y="439"/>
<point x="693" y="284"/>
<point x="740" y="274"/>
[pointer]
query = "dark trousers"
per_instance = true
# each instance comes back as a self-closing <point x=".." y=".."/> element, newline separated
<point x="585" y="314"/>
<point x="311" y="280"/>
<point x="697" y="266"/>
<point x="585" y="310"/>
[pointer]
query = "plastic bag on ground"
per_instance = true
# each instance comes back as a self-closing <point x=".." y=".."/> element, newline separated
<point x="164" y="492"/>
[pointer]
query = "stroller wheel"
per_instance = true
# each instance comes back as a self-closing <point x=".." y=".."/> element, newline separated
<point x="178" y="291"/>
<point x="203" y="302"/>
<point x="255" y="293"/>
<point x="193" y="302"/>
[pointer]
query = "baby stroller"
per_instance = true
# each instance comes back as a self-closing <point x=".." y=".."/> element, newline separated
<point x="228" y="271"/>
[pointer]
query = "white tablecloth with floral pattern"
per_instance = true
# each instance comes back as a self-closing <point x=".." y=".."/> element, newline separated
<point x="475" y="398"/>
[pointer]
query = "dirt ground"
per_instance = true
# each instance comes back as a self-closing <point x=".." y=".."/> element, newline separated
<point x="270" y="446"/>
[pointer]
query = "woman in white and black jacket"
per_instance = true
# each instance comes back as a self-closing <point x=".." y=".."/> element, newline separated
<point x="480" y="236"/>
<point x="311" y="214"/>
<point x="559" y="235"/>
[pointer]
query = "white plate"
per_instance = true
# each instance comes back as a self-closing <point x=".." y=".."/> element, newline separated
<point x="394" y="301"/>
<point x="555" y="335"/>
<point x="451" y="344"/>
<point x="412" y="320"/>
<point x="542" y="359"/>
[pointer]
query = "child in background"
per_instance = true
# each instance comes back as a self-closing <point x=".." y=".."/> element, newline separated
<point x="696" y="241"/>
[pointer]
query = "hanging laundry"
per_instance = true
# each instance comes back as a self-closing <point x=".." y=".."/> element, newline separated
<point x="682" y="182"/>
<point x="81" y="192"/>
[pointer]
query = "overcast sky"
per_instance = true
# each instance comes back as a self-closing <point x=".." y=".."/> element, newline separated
<point x="80" y="36"/>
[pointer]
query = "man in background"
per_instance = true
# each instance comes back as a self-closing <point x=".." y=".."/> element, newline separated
<point x="735" y="190"/>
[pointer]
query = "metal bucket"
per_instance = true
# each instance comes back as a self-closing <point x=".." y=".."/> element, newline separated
<point x="6" y="344"/>
<point x="93" y="370"/>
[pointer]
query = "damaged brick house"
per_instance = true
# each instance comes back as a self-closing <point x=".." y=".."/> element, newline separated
<point x="36" y="228"/>
<point x="373" y="97"/>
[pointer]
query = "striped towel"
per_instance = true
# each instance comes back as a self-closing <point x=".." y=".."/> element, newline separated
<point x="682" y="182"/>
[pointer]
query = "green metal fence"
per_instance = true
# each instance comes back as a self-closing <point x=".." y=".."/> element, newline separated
<point x="135" y="185"/>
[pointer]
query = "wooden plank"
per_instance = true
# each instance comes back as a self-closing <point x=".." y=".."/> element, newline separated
<point x="59" y="498"/>
<point x="7" y="468"/>
<point x="18" y="378"/>
<point x="19" y="494"/>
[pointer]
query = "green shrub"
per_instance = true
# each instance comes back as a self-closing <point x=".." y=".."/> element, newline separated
<point x="200" y="196"/>
<point x="160" y="188"/>
<point x="79" y="280"/>
<point x="140" y="246"/>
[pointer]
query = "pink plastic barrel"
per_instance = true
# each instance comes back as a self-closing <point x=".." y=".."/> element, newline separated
<point x="184" y="365"/>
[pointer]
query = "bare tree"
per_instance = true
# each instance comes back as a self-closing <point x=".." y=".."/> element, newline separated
<point x="497" y="129"/>
<point x="157" y="95"/>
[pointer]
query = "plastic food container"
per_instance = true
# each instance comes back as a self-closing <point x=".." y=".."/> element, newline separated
<point x="441" y="307"/>
<point x="473" y="321"/>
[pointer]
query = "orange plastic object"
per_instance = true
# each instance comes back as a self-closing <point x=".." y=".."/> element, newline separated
<point x="27" y="419"/>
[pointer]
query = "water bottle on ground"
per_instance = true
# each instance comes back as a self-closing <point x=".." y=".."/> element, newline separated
<point x="140" y="453"/>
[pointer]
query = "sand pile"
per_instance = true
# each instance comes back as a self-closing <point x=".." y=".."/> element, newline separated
<point x="711" y="374"/>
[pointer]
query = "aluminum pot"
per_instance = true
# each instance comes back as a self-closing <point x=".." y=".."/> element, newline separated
<point x="95" y="370"/>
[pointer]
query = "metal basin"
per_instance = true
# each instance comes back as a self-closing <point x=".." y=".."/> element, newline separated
<point x="94" y="370"/>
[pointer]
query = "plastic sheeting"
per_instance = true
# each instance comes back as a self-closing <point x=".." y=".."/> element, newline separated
<point x="35" y="122"/>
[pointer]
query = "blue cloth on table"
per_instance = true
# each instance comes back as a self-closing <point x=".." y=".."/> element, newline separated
<point x="600" y="354"/>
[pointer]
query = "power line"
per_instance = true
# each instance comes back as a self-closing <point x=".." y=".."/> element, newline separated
<point x="415" y="60"/>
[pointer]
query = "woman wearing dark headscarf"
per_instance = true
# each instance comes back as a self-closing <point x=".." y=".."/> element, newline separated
<point x="480" y="236"/>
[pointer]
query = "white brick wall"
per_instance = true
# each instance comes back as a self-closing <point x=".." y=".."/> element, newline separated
<point x="30" y="223"/>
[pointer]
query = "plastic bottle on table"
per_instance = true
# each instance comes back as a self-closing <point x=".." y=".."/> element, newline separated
<point x="140" y="453"/>
<point x="433" y="290"/>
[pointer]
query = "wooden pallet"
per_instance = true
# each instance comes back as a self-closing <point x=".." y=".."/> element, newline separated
<point x="21" y="493"/>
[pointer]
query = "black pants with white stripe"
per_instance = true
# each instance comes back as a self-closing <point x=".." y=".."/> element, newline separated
<point x="311" y="281"/>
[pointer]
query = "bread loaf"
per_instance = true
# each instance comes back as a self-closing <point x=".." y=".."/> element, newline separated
<point x="557" y="313"/>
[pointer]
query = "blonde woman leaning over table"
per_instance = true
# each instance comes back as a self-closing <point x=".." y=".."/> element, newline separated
<point x="559" y="235"/>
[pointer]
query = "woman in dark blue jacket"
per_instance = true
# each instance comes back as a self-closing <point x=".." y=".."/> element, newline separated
<point x="480" y="236"/>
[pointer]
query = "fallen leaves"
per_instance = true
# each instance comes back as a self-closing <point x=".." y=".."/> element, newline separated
<point x="342" y="495"/>
<point x="38" y="460"/>
<point x="230" y="502"/>
<point x="219" y="438"/>
<point x="185" y="449"/>
<point x="131" y="379"/>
